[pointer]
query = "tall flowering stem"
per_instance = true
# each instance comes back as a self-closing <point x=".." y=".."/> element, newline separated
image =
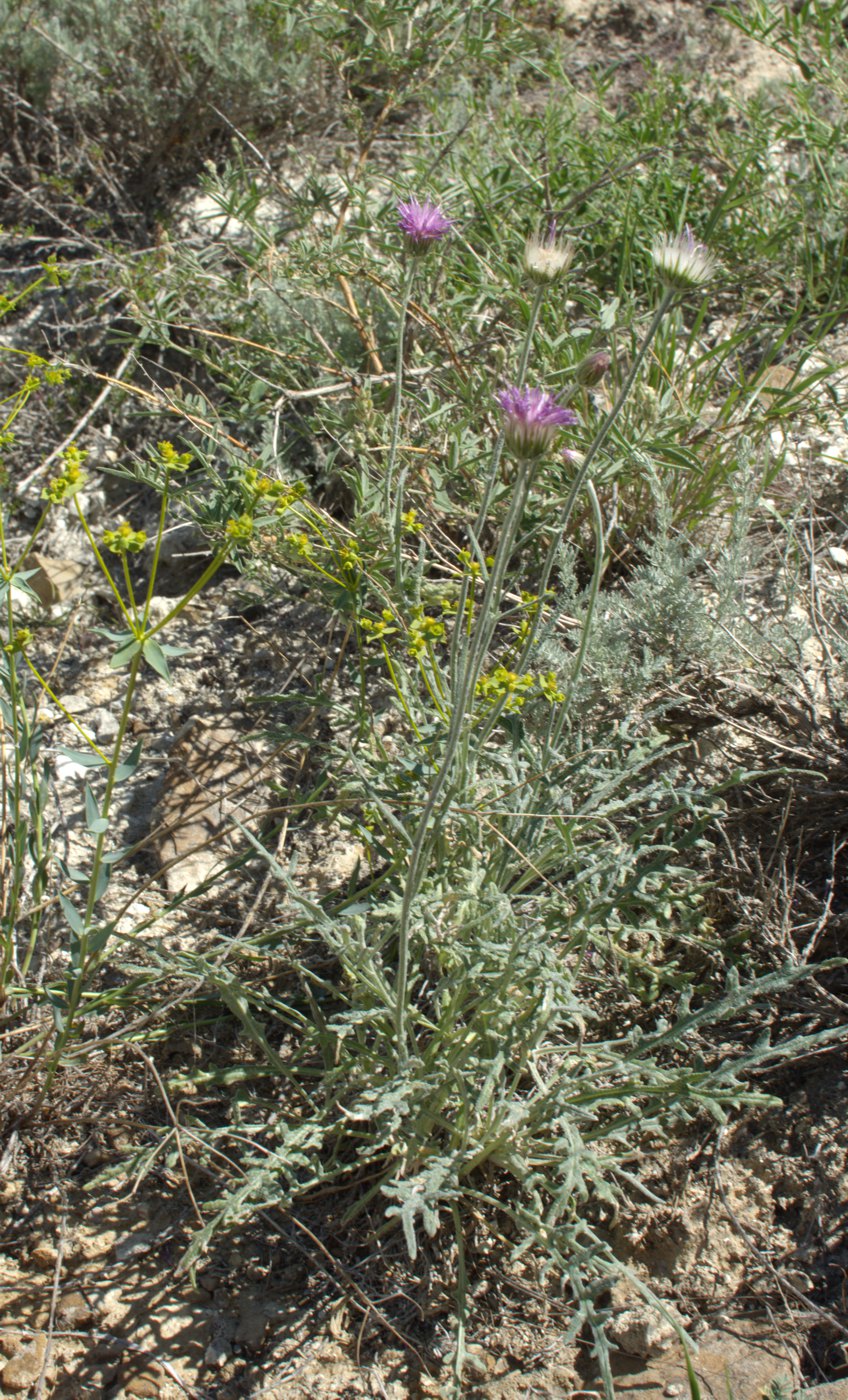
<point x="594" y="448"/>
<point x="388" y="484"/>
<point x="468" y="653"/>
<point x="423" y="225"/>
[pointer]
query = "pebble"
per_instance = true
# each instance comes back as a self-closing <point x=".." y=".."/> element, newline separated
<point x="43" y="1254"/>
<point x="24" y="1369"/>
<point x="147" y="1382"/>
<point x="130" y="1247"/>
<point x="252" y="1324"/>
<point x="218" y="1352"/>
<point x="75" y="1311"/>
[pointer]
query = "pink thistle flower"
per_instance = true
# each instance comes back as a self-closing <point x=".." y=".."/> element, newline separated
<point x="532" y="419"/>
<point x="422" y="225"/>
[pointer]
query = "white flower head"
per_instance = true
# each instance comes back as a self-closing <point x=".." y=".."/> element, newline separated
<point x="682" y="260"/>
<point x="546" y="258"/>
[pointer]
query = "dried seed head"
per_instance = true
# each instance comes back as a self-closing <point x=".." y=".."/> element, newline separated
<point x="683" y="261"/>
<point x="547" y="258"/>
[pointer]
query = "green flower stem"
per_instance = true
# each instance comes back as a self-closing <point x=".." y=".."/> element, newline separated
<point x="57" y="702"/>
<point x="157" y="550"/>
<point x="104" y="568"/>
<point x="594" y="448"/>
<point x="396" y="406"/>
<point x="585" y="630"/>
<point x="209" y="572"/>
<point x="398" y="691"/>
<point x="80" y="981"/>
<point x="17" y="806"/>
<point x="459" y="1355"/>
<point x="31" y="541"/>
<point x="129" y="588"/>
<point x="460" y="642"/>
<point x="468" y="653"/>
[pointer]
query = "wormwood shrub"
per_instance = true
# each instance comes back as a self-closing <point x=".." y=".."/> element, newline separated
<point x="117" y="105"/>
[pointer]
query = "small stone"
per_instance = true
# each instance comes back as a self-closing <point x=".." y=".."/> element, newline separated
<point x="673" y="1389"/>
<point x="54" y="580"/>
<point x="642" y="1331"/>
<point x="130" y="1247"/>
<point x="147" y="1381"/>
<point x="43" y="1254"/>
<point x="24" y="1369"/>
<point x="252" y="1324"/>
<point x="74" y="1310"/>
<point x="76" y="702"/>
<point x="10" y="1343"/>
<point x="218" y="1352"/>
<point x="838" y="555"/>
<point x="104" y="723"/>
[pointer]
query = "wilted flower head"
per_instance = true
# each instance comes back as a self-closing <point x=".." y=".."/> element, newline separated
<point x="532" y="419"/>
<point x="547" y="258"/>
<point x="682" y="260"/>
<point x="422" y="225"/>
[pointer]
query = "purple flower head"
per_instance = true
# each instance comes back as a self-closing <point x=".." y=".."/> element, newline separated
<point x="532" y="419"/>
<point x="422" y="225"/>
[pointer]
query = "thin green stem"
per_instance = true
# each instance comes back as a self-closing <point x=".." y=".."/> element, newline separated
<point x="396" y="406"/>
<point x="83" y="962"/>
<point x="157" y="550"/>
<point x="103" y="565"/>
<point x="39" y="525"/>
<point x="594" y="448"/>
<point x="129" y="588"/>
<point x="467" y="656"/>
<point x="208" y="573"/>
<point x="586" y="628"/>
<point x="67" y="714"/>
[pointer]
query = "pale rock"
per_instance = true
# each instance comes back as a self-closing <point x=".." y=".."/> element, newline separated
<point x="74" y="1310"/>
<point x="55" y="580"/>
<point x="641" y="1330"/>
<point x="218" y="1352"/>
<point x="147" y="1381"/>
<point x="745" y="1361"/>
<point x="212" y="774"/>
<point x="23" y="1370"/>
<point x="131" y="1246"/>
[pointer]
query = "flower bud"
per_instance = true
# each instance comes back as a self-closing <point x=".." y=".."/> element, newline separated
<point x="592" y="369"/>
